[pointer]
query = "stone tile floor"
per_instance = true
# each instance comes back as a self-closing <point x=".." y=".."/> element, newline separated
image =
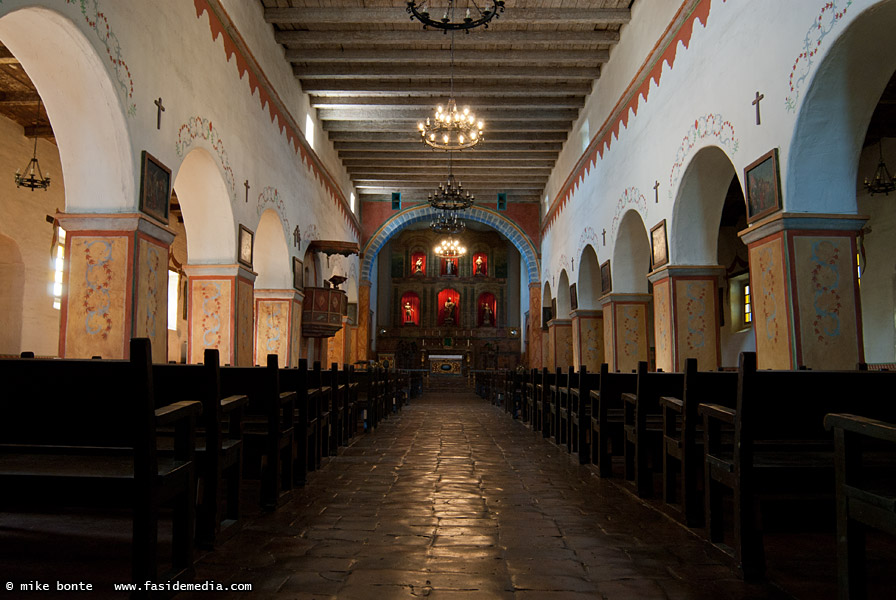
<point x="453" y="499"/>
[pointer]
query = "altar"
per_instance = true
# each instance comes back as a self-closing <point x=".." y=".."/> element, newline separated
<point x="446" y="364"/>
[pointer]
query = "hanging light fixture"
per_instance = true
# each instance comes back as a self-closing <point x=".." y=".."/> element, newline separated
<point x="450" y="248"/>
<point x="882" y="182"/>
<point x="34" y="179"/>
<point x="451" y="195"/>
<point x="450" y="128"/>
<point x="448" y="21"/>
<point x="447" y="223"/>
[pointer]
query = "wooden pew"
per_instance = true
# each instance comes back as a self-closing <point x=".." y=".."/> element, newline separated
<point x="305" y="440"/>
<point x="548" y="380"/>
<point x="780" y="446"/>
<point x="580" y="414"/>
<point x="642" y="425"/>
<point x="683" y="437"/>
<point x="606" y="418"/>
<point x="84" y="433"/>
<point x="350" y="399"/>
<point x="319" y="406"/>
<point x="219" y="441"/>
<point x="561" y="432"/>
<point x="530" y="415"/>
<point x="866" y="496"/>
<point x="268" y="431"/>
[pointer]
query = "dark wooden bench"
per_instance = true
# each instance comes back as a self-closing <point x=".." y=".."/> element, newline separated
<point x="780" y="448"/>
<point x="606" y="418"/>
<point x="683" y="437"/>
<point x="866" y="495"/>
<point x="543" y="401"/>
<point x="268" y="430"/>
<point x="84" y="433"/>
<point x="219" y="442"/>
<point x="319" y="394"/>
<point x="580" y="414"/>
<point x="561" y="407"/>
<point x="642" y="425"/>
<point x="530" y="389"/>
<point x="305" y="440"/>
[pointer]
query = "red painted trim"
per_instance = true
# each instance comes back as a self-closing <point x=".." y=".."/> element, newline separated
<point x="650" y="71"/>
<point x="235" y="46"/>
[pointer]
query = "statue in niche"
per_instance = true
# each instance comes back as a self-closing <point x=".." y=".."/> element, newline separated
<point x="479" y="269"/>
<point x="486" y="313"/>
<point x="449" y="311"/>
<point x="408" y="312"/>
<point x="418" y="265"/>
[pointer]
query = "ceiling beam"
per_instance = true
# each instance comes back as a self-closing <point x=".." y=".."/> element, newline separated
<point x="401" y="71"/>
<point x="477" y="189"/>
<point x="528" y="16"/>
<point x="408" y="126"/>
<point x="435" y="176"/>
<point x="17" y="98"/>
<point x="41" y="131"/>
<point x="403" y="136"/>
<point x="404" y="37"/>
<point x="387" y="87"/>
<point x="419" y="197"/>
<point x="416" y="145"/>
<point x="427" y="101"/>
<point x="459" y="170"/>
<point x="413" y="115"/>
<point x="412" y="154"/>
<point x="430" y="57"/>
<point x="427" y="163"/>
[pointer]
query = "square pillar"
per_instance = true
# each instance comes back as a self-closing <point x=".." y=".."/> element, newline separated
<point x="804" y="291"/>
<point x="115" y="285"/>
<point x="534" y="335"/>
<point x="560" y="334"/>
<point x="220" y="313"/>
<point x="625" y="330"/>
<point x="686" y="316"/>
<point x="362" y="346"/>
<point x="587" y="339"/>
<point x="337" y="347"/>
<point x="278" y="326"/>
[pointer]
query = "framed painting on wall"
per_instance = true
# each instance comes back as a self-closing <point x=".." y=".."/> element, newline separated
<point x="606" y="283"/>
<point x="762" y="181"/>
<point x="298" y="274"/>
<point x="244" y="246"/>
<point x="573" y="297"/>
<point x="658" y="246"/>
<point x="155" y="188"/>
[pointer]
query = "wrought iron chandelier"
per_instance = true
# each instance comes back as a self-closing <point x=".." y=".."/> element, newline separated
<point x="447" y="223"/>
<point x="450" y="128"/>
<point x="451" y="196"/>
<point x="33" y="180"/>
<point x="882" y="182"/>
<point x="450" y="248"/>
<point x="449" y="21"/>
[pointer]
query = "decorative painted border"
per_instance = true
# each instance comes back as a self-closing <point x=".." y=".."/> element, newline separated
<point x="100" y="25"/>
<point x="589" y="236"/>
<point x="712" y="125"/>
<point x="270" y="198"/>
<point x="666" y="50"/>
<point x="235" y="47"/>
<point x="631" y="198"/>
<point x="200" y="127"/>
<point x="811" y="45"/>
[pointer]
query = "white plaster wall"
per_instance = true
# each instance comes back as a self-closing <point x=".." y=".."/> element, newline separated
<point x="23" y="218"/>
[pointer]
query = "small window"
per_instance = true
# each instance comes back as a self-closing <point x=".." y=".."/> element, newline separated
<point x="859" y="268"/>
<point x="351" y="202"/>
<point x="173" y="288"/>
<point x="748" y="306"/>
<point x="58" y="264"/>
<point x="309" y="130"/>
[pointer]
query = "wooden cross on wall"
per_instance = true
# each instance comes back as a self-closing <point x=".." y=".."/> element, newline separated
<point x="247" y="190"/>
<point x="656" y="192"/>
<point x="296" y="237"/>
<point x="756" y="101"/>
<point x="159" y="112"/>
<point x="604" y="236"/>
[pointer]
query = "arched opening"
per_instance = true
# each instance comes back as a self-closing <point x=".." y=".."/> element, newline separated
<point x="208" y="217"/>
<point x="563" y="304"/>
<point x="12" y="288"/>
<point x="548" y="310"/>
<point x="588" y="289"/>
<point x="271" y="255"/>
<point x="631" y="256"/>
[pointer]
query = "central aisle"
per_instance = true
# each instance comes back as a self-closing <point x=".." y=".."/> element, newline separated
<point x="453" y="499"/>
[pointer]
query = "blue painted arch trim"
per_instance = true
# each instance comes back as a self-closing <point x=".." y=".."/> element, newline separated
<point x="424" y="212"/>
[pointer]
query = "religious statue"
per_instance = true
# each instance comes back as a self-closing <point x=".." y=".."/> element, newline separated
<point x="449" y="310"/>
<point x="479" y="270"/>
<point x="486" y="313"/>
<point x="418" y="265"/>
<point x="449" y="267"/>
<point x="408" y="312"/>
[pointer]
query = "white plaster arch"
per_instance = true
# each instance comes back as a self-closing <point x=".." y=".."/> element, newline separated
<point x="631" y="256"/>
<point x="694" y="231"/>
<point x="208" y="215"/>
<point x="563" y="304"/>
<point x="98" y="165"/>
<point x="822" y="164"/>
<point x="270" y="257"/>
<point x="546" y="299"/>
<point x="589" y="283"/>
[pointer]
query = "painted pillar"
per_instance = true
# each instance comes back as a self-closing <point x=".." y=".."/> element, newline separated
<point x="362" y="346"/>
<point x="686" y="316"/>
<point x="534" y="335"/>
<point x="560" y="332"/>
<point x="352" y="344"/>
<point x="587" y="339"/>
<point x="337" y="346"/>
<point x="278" y="326"/>
<point x="221" y="313"/>
<point x="804" y="291"/>
<point x="115" y="285"/>
<point x="625" y="330"/>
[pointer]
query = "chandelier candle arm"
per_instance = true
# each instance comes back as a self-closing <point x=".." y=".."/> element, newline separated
<point x="418" y="10"/>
